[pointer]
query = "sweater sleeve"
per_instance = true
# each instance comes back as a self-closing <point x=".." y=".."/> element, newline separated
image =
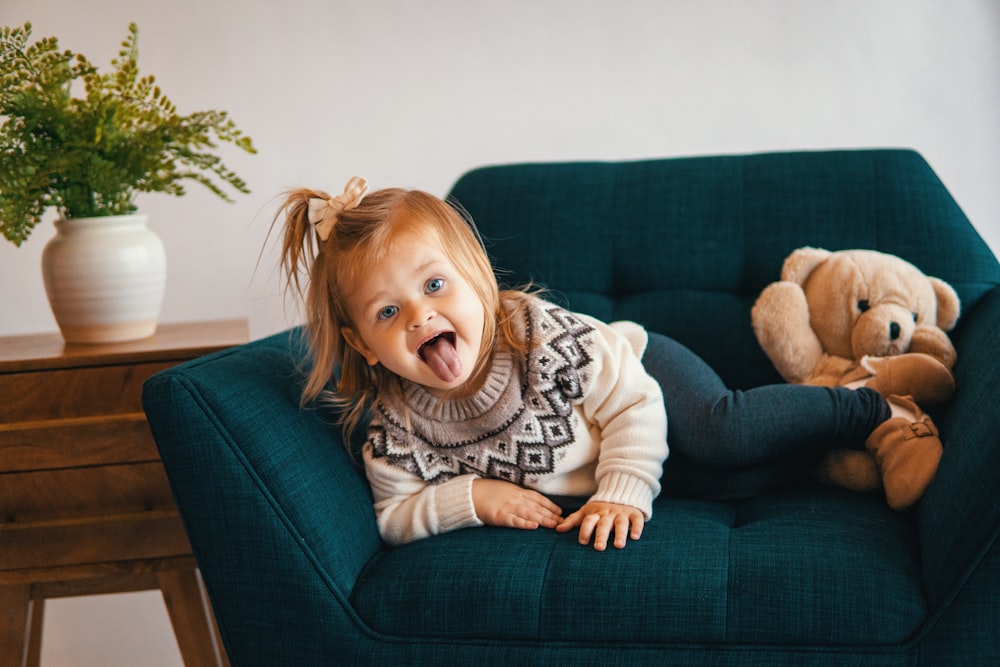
<point x="407" y="508"/>
<point x="626" y="404"/>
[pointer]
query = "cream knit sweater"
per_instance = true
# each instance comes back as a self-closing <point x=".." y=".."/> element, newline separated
<point x="579" y="416"/>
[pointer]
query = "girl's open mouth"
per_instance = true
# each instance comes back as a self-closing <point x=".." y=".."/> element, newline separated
<point x="440" y="353"/>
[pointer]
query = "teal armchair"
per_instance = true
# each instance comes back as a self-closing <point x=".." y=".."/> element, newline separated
<point x="281" y="519"/>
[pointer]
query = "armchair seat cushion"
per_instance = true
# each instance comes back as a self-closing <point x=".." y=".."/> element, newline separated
<point x="724" y="572"/>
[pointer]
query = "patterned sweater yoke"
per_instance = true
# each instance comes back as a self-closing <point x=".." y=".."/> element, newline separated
<point x="514" y="428"/>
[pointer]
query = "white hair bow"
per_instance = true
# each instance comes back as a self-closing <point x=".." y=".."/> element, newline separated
<point x="323" y="212"/>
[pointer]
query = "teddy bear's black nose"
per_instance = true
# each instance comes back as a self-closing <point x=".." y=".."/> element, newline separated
<point x="893" y="330"/>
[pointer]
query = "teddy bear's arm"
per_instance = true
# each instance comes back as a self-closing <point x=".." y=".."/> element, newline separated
<point x="781" y="322"/>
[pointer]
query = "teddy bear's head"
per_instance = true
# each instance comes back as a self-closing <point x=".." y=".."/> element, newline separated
<point x="863" y="302"/>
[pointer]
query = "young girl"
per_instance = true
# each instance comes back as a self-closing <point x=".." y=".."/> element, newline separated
<point x="485" y="403"/>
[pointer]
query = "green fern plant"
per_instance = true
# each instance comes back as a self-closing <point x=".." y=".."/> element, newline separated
<point x="90" y="156"/>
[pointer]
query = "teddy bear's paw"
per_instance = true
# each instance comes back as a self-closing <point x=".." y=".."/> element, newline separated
<point x="780" y="319"/>
<point x="850" y="468"/>
<point x="935" y="343"/>
<point x="908" y="452"/>
<point x="922" y="377"/>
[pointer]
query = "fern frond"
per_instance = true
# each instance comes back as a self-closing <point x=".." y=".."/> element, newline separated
<point x="91" y="156"/>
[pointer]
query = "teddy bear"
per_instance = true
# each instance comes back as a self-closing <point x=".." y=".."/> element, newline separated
<point x="866" y="318"/>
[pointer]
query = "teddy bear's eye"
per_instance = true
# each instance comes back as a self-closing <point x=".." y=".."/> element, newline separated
<point x="863" y="305"/>
<point x="914" y="317"/>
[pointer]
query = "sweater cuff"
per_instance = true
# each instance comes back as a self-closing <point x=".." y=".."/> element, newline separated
<point x="453" y="502"/>
<point x="624" y="489"/>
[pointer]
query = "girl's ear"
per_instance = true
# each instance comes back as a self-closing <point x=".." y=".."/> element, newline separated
<point x="355" y="342"/>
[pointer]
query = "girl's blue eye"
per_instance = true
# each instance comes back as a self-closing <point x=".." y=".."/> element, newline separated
<point x="387" y="312"/>
<point x="434" y="285"/>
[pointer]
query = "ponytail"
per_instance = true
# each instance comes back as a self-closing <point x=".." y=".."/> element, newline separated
<point x="311" y="254"/>
<point x="305" y="269"/>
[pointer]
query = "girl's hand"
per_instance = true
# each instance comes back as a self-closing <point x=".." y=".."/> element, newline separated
<point x="500" y="503"/>
<point x="597" y="520"/>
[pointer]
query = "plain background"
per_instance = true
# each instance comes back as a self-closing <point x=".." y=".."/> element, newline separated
<point x="413" y="94"/>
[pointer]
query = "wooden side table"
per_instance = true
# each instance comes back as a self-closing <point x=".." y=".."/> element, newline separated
<point x="85" y="507"/>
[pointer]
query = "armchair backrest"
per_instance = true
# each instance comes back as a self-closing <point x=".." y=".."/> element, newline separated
<point x="684" y="246"/>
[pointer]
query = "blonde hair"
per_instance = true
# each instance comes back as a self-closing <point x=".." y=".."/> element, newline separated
<point x="323" y="273"/>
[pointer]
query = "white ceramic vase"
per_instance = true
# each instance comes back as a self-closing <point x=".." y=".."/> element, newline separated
<point x="105" y="278"/>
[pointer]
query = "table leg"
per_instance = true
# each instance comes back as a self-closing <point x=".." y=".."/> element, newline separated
<point x="15" y="624"/>
<point x="192" y="618"/>
<point x="34" y="654"/>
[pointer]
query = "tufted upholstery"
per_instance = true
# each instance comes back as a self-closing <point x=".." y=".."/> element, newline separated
<point x="282" y="524"/>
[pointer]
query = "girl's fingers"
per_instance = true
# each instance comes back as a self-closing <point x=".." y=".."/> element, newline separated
<point x="622" y="530"/>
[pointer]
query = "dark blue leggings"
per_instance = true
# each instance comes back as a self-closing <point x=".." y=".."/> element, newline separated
<point x="730" y="443"/>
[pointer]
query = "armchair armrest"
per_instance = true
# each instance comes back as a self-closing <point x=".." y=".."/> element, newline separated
<point x="960" y="514"/>
<point x="265" y="487"/>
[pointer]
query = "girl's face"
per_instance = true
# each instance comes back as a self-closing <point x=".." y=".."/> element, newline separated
<point x="417" y="316"/>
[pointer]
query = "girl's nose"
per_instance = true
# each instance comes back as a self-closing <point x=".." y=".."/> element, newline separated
<point x="420" y="314"/>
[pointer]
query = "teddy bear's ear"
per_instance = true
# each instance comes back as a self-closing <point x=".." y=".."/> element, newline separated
<point x="948" y="304"/>
<point x="801" y="263"/>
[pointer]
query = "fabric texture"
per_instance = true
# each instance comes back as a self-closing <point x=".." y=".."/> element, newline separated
<point x="281" y="518"/>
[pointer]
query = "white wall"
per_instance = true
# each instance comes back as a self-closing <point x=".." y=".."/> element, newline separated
<point x="414" y="93"/>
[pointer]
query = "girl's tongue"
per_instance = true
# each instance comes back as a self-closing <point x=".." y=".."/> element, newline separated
<point x="440" y="354"/>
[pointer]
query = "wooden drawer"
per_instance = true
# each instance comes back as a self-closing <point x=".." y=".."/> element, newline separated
<point x="90" y="540"/>
<point x="79" y="492"/>
<point x="76" y="516"/>
<point x="76" y="442"/>
<point x="73" y="393"/>
<point x="72" y="418"/>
